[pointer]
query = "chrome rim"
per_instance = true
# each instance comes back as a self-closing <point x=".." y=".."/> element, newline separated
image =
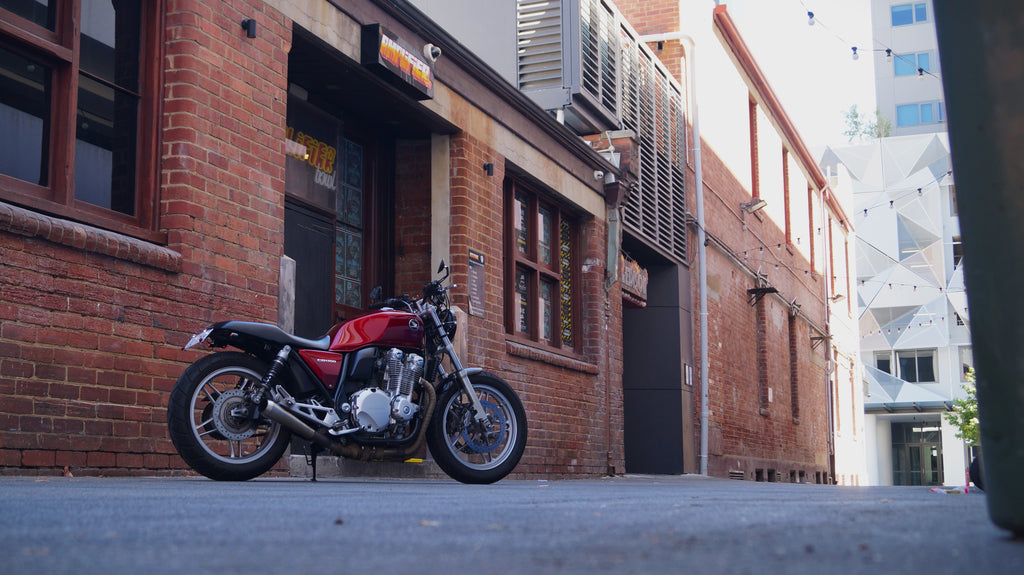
<point x="223" y="437"/>
<point x="477" y="448"/>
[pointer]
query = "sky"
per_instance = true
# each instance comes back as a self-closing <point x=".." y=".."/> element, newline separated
<point x="811" y="68"/>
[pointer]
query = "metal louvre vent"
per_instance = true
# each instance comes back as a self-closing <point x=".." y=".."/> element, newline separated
<point x="580" y="58"/>
<point x="539" y="31"/>
<point x="656" y="211"/>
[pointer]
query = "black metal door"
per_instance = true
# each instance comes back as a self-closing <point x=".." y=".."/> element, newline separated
<point x="309" y="240"/>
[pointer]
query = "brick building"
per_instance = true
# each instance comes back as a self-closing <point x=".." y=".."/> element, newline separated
<point x="782" y="396"/>
<point x="160" y="160"/>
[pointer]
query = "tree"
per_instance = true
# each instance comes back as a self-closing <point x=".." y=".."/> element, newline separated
<point x="860" y="126"/>
<point x="965" y="413"/>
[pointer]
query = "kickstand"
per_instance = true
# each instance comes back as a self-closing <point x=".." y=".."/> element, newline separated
<point x="314" y="450"/>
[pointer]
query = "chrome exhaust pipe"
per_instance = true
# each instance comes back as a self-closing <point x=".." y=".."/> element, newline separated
<point x="286" y="418"/>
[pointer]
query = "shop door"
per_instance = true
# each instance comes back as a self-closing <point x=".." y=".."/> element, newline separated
<point x="339" y="227"/>
<point x="916" y="454"/>
<point x="309" y="240"/>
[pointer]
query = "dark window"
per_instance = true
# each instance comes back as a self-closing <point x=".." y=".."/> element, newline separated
<point x="916" y="365"/>
<point x="101" y="85"/>
<point x="541" y="254"/>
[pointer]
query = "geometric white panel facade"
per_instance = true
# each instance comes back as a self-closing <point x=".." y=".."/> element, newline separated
<point x="909" y="295"/>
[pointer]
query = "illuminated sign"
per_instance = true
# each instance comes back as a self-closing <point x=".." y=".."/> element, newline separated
<point x="396" y="62"/>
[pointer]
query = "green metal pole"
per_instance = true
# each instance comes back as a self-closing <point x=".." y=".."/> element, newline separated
<point x="981" y="45"/>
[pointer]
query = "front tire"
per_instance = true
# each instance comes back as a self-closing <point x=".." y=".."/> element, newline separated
<point x="463" y="450"/>
<point x="206" y="435"/>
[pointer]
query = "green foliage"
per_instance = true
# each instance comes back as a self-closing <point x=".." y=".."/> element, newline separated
<point x="860" y="126"/>
<point x="965" y="413"/>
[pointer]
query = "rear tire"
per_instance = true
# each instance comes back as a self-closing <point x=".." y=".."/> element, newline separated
<point x="473" y="455"/>
<point x="200" y="424"/>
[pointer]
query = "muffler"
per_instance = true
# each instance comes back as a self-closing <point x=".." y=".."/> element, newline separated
<point x="288" y="419"/>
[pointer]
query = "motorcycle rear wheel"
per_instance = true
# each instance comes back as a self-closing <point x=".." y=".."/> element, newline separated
<point x="467" y="453"/>
<point x="206" y="435"/>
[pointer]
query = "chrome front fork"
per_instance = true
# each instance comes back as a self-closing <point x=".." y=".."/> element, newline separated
<point x="462" y="373"/>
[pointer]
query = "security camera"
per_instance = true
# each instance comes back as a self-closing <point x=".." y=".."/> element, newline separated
<point x="598" y="174"/>
<point x="431" y="52"/>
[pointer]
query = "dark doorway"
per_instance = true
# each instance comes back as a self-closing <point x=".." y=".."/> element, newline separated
<point x="309" y="240"/>
<point x="657" y="388"/>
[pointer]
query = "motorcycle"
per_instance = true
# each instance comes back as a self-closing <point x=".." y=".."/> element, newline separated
<point x="374" y="388"/>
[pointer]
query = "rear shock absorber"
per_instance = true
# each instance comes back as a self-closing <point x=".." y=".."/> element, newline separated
<point x="259" y="394"/>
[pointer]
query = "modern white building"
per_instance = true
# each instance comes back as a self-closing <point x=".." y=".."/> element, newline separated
<point x="908" y="84"/>
<point x="914" y="324"/>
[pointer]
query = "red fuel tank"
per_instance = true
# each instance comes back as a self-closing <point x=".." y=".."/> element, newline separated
<point x="385" y="328"/>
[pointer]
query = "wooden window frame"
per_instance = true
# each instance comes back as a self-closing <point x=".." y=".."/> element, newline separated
<point x="538" y="271"/>
<point x="58" y="49"/>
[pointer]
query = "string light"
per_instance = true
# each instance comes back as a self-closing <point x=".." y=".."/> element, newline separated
<point x="812" y="20"/>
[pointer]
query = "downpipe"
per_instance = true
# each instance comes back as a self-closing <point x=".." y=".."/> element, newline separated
<point x="283" y="416"/>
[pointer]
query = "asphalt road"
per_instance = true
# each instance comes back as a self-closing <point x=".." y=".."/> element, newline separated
<point x="633" y="524"/>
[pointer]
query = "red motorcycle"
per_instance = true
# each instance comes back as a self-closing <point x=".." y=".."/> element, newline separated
<point x="373" y="388"/>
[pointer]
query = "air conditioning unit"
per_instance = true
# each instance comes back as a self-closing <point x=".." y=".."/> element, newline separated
<point x="568" y="60"/>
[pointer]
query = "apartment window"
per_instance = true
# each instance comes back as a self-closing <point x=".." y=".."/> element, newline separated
<point x="916" y="114"/>
<point x="78" y="122"/>
<point x="909" y="64"/>
<point x="958" y="251"/>
<point x="541" y="254"/>
<point x="966" y="361"/>
<point x="916" y="365"/>
<point x="953" y="209"/>
<point x="883" y="361"/>
<point x="904" y="14"/>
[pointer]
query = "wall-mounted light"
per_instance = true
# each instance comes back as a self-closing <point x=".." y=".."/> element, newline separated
<point x="753" y="205"/>
<point x="856" y="56"/>
<point x="810" y="18"/>
<point x="489" y="169"/>
<point x="249" y="25"/>
<point x="888" y="55"/>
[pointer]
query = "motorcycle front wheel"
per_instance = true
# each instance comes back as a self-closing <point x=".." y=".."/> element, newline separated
<point x="467" y="451"/>
<point x="203" y="428"/>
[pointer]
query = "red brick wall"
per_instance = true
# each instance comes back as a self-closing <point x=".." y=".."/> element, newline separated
<point x="743" y="437"/>
<point x="414" y="264"/>
<point x="649" y="17"/>
<point x="573" y="404"/>
<point x="91" y="323"/>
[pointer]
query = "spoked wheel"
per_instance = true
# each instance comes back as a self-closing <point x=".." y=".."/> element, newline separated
<point x="205" y="422"/>
<point x="472" y="453"/>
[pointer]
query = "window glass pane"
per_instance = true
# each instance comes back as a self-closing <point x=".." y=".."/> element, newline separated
<point x="350" y="209"/>
<point x="907" y="115"/>
<point x="106" y="127"/>
<point x="920" y="12"/>
<point x="902" y="15"/>
<point x="546" y="310"/>
<point x="884" y="364"/>
<point x="966" y="361"/>
<point x="544" y="235"/>
<point x="38" y="11"/>
<point x="923" y="61"/>
<point x="24" y="118"/>
<point x="925" y="366"/>
<point x="903" y="64"/>
<point x="108" y="105"/>
<point x="908" y="365"/>
<point x="565" y="265"/>
<point x="521" y="221"/>
<point x="926" y="114"/>
<point x="348" y="267"/>
<point x="522" y="303"/>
